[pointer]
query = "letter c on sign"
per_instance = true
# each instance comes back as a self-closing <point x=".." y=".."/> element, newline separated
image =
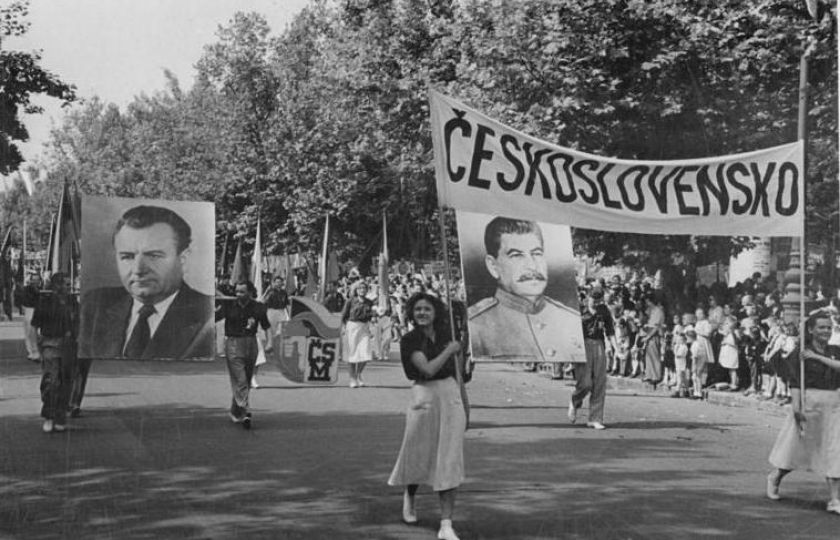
<point x="455" y="123"/>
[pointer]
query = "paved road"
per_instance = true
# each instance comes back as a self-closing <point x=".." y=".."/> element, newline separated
<point x="154" y="456"/>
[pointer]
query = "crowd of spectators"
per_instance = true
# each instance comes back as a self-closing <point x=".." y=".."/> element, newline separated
<point x="727" y="338"/>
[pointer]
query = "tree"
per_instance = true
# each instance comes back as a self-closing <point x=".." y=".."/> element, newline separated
<point x="331" y="114"/>
<point x="20" y="78"/>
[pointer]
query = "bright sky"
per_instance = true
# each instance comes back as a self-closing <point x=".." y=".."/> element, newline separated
<point x="118" y="49"/>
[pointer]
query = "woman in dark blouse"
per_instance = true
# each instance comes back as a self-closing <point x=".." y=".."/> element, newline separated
<point x="810" y="438"/>
<point x="432" y="451"/>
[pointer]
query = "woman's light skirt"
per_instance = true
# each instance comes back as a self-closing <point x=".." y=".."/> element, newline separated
<point x="359" y="348"/>
<point x="432" y="451"/>
<point x="817" y="448"/>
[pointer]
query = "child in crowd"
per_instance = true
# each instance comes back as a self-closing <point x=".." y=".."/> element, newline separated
<point x="622" y="355"/>
<point x="777" y="352"/>
<point x="681" y="362"/>
<point x="728" y="356"/>
<point x="701" y="353"/>
<point x="754" y="344"/>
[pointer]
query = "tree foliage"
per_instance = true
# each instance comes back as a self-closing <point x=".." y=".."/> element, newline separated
<point x="20" y="78"/>
<point x="330" y="115"/>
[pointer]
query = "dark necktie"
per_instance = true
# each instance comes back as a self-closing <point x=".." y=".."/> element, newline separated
<point x="141" y="333"/>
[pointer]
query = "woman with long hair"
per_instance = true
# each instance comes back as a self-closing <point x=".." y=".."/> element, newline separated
<point x="810" y="437"/>
<point x="355" y="322"/>
<point x="432" y="450"/>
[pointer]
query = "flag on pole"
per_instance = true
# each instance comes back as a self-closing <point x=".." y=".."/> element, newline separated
<point x="812" y="8"/>
<point x="257" y="262"/>
<point x="223" y="261"/>
<point x="49" y="254"/>
<point x="383" y="267"/>
<point x="7" y="241"/>
<point x="288" y="274"/>
<point x="6" y="276"/>
<point x="238" y="274"/>
<point x="21" y="268"/>
<point x="64" y="248"/>
<point x="26" y="179"/>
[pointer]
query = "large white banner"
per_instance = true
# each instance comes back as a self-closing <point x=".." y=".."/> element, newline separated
<point x="484" y="166"/>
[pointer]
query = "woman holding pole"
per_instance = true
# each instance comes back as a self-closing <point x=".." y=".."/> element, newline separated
<point x="432" y="448"/>
<point x="810" y="437"/>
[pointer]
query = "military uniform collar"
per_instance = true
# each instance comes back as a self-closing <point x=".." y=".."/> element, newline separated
<point x="519" y="303"/>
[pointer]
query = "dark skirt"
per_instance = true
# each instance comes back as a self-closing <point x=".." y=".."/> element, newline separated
<point x="653" y="360"/>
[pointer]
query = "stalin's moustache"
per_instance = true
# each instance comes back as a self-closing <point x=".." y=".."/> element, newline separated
<point x="531" y="276"/>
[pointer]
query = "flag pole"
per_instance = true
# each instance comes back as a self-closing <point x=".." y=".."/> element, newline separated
<point x="322" y="289"/>
<point x="459" y="368"/>
<point x="383" y="267"/>
<point x="23" y="252"/>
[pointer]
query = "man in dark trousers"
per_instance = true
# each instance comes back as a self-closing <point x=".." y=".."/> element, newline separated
<point x="56" y="319"/>
<point x="242" y="318"/>
<point x="591" y="378"/>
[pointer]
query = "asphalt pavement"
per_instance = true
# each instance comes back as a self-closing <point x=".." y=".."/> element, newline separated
<point x="155" y="456"/>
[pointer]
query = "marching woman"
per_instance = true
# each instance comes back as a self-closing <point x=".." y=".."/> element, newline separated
<point x="355" y="320"/>
<point x="810" y="439"/>
<point x="432" y="450"/>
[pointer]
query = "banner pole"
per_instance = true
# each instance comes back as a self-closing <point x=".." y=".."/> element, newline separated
<point x="459" y="368"/>
<point x="802" y="135"/>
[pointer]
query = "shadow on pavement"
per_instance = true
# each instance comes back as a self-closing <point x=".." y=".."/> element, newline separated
<point x="171" y="471"/>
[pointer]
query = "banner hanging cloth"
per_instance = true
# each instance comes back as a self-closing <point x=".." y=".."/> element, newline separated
<point x="484" y="166"/>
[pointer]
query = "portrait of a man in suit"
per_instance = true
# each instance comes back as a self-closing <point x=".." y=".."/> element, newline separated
<point x="155" y="314"/>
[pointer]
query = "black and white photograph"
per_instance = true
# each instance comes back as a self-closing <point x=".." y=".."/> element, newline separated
<point x="419" y="270"/>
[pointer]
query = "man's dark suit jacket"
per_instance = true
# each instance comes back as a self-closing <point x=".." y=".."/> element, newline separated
<point x="186" y="331"/>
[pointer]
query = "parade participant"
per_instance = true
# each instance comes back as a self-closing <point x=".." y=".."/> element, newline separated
<point x="355" y="324"/>
<point x="29" y="300"/>
<point x="243" y="317"/>
<point x="77" y="389"/>
<point x="432" y="451"/>
<point x="155" y="314"/>
<point x="591" y="378"/>
<point x="652" y="340"/>
<point x="519" y="321"/>
<point x="810" y="438"/>
<point x="333" y="300"/>
<point x="276" y="301"/>
<point x="56" y="318"/>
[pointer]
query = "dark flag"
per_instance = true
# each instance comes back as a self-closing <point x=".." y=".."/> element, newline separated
<point x="64" y="244"/>
<point x="239" y="272"/>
